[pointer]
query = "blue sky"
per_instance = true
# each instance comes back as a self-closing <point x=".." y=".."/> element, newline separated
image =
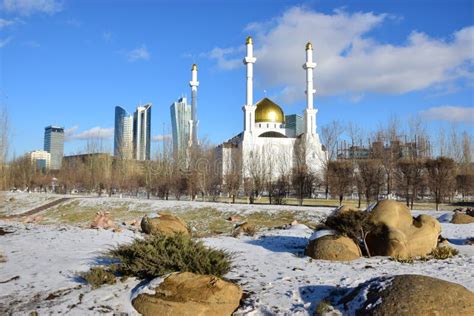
<point x="70" y="63"/>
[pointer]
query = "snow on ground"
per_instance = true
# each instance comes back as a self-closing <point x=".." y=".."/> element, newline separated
<point x="48" y="260"/>
<point x="271" y="268"/>
<point x="177" y="207"/>
<point x="20" y="202"/>
<point x="280" y="280"/>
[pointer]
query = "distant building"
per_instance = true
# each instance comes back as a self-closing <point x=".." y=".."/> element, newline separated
<point x="380" y="149"/>
<point x="132" y="135"/>
<point x="40" y="159"/>
<point x="54" y="144"/>
<point x="71" y="159"/>
<point x="181" y="114"/>
<point x="123" y="134"/>
<point x="295" y="122"/>
<point x="142" y="132"/>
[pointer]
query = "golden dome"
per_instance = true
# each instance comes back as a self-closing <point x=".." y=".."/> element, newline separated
<point x="195" y="67"/>
<point x="268" y="111"/>
<point x="249" y="40"/>
<point x="309" y="46"/>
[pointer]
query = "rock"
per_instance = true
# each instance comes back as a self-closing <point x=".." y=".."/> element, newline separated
<point x="164" y="224"/>
<point x="406" y="295"/>
<point x="334" y="248"/>
<point x="245" y="228"/>
<point x="401" y="235"/>
<point x="470" y="212"/>
<point x="103" y="220"/>
<point x="392" y="214"/>
<point x="293" y="223"/>
<point x="32" y="219"/>
<point x="190" y="294"/>
<point x="346" y="208"/>
<point x="234" y="218"/>
<point x="461" y="218"/>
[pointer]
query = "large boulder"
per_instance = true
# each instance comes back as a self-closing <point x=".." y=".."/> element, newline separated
<point x="401" y="235"/>
<point x="102" y="220"/>
<point x="190" y="294"/>
<point x="408" y="295"/>
<point x="334" y="248"/>
<point x="461" y="218"/>
<point x="163" y="224"/>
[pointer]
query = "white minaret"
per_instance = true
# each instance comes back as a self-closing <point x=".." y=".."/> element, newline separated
<point x="249" y="107"/>
<point x="310" y="112"/>
<point x="194" y="83"/>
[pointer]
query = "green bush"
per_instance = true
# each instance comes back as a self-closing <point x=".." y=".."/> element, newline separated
<point x="98" y="276"/>
<point x="158" y="255"/>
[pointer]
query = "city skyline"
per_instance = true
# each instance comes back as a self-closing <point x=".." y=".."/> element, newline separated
<point x="350" y="81"/>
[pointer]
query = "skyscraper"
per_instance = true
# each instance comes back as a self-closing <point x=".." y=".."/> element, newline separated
<point x="181" y="114"/>
<point x="295" y="122"/>
<point x="54" y="144"/>
<point x="123" y="134"/>
<point x="142" y="132"/>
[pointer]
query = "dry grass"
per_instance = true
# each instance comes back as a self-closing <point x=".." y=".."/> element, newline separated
<point x="98" y="276"/>
<point x="75" y="213"/>
<point x="443" y="253"/>
<point x="439" y="253"/>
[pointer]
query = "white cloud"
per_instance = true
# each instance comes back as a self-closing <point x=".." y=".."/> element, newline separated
<point x="350" y="61"/>
<point x="4" y="42"/>
<point x="29" y="7"/>
<point x="160" y="138"/>
<point x="5" y="23"/>
<point x="140" y="53"/>
<point x="221" y="55"/>
<point x="455" y="114"/>
<point x="93" y="133"/>
<point x="68" y="132"/>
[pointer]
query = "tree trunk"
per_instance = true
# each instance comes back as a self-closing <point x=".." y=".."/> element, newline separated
<point x="365" y="243"/>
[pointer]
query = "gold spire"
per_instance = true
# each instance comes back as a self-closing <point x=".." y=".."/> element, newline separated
<point x="195" y="67"/>
<point x="249" y="40"/>
<point x="309" y="46"/>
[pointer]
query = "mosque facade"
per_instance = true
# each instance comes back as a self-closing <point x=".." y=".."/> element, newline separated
<point x="266" y="144"/>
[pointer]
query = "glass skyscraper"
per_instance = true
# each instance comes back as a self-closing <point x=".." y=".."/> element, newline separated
<point x="132" y="135"/>
<point x="142" y="132"/>
<point x="123" y="134"/>
<point x="54" y="144"/>
<point x="295" y="123"/>
<point x="180" y="117"/>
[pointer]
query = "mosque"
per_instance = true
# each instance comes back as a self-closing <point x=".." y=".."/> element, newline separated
<point x="267" y="145"/>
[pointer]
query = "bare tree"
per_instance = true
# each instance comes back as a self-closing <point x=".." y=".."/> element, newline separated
<point x="233" y="177"/>
<point x="440" y="175"/>
<point x="330" y="135"/>
<point x="370" y="175"/>
<point x="302" y="179"/>
<point x="409" y="177"/>
<point x="340" y="178"/>
<point x="256" y="171"/>
<point x="4" y="145"/>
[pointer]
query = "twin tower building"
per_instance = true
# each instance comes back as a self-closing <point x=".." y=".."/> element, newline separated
<point x="132" y="135"/>
<point x="269" y="139"/>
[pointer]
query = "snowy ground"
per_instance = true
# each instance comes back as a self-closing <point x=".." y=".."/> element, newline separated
<point x="270" y="267"/>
